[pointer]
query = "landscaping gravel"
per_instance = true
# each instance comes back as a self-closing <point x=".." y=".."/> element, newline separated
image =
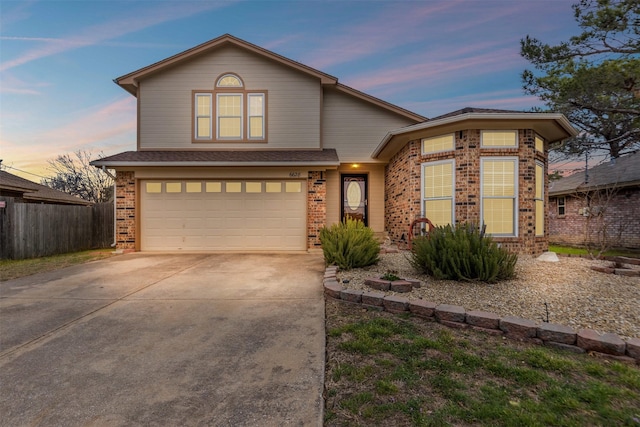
<point x="574" y="294"/>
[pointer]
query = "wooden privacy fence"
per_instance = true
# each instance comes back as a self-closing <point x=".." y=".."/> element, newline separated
<point x="31" y="230"/>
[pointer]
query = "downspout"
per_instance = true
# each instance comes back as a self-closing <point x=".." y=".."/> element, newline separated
<point x="115" y="211"/>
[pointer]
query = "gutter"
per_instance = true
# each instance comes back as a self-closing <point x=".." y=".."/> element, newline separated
<point x="560" y="119"/>
<point x="116" y="164"/>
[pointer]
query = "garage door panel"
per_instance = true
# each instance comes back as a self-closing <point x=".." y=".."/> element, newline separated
<point x="215" y="219"/>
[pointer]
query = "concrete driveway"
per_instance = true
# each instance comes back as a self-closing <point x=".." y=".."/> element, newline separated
<point x="165" y="339"/>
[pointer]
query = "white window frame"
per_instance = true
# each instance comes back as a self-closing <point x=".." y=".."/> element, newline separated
<point x="423" y="198"/>
<point x="514" y="197"/>
<point x="249" y="115"/>
<point x="425" y="152"/>
<point x="218" y="116"/>
<point x="541" y="139"/>
<point x="483" y="145"/>
<point x="564" y="206"/>
<point x="197" y="116"/>
<point x="539" y="199"/>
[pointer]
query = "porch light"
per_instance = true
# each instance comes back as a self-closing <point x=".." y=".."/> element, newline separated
<point x="355" y="166"/>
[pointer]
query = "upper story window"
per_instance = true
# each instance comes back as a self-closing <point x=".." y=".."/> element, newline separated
<point x="499" y="139"/>
<point x="438" y="144"/>
<point x="231" y="112"/>
<point x="229" y="80"/>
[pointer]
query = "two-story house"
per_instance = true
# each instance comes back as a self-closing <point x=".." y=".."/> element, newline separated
<point x="239" y="148"/>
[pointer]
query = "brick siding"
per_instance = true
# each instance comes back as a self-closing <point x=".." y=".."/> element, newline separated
<point x="125" y="210"/>
<point x="316" y="207"/>
<point x="620" y="219"/>
<point x="403" y="187"/>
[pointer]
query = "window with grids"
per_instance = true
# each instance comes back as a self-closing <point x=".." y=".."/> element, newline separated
<point x="539" y="144"/>
<point x="438" y="144"/>
<point x="561" y="206"/>
<point x="499" y="138"/>
<point x="498" y="195"/>
<point x="230" y="112"/>
<point x="539" y="199"/>
<point x="437" y="191"/>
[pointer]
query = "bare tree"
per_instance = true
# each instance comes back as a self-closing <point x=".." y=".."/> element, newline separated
<point x="602" y="226"/>
<point x="74" y="175"/>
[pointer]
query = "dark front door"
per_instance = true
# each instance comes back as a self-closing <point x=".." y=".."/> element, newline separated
<point x="354" y="197"/>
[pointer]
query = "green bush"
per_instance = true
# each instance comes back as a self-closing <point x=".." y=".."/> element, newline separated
<point x="462" y="253"/>
<point x="349" y="244"/>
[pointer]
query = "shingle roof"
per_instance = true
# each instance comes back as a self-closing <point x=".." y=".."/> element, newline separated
<point x="327" y="157"/>
<point x="625" y="171"/>
<point x="468" y="110"/>
<point x="37" y="192"/>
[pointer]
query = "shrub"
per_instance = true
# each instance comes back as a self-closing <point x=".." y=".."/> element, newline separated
<point x="462" y="253"/>
<point x="349" y="244"/>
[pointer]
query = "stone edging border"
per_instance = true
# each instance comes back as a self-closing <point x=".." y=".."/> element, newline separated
<point x="549" y="334"/>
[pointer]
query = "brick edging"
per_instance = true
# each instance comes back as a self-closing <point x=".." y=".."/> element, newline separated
<point x="548" y="334"/>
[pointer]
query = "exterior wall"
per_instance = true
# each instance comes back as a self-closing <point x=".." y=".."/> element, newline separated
<point x="403" y="198"/>
<point x="354" y="127"/>
<point x="620" y="221"/>
<point x="376" y="188"/>
<point x="125" y="210"/>
<point x="293" y="102"/>
<point x="316" y="208"/>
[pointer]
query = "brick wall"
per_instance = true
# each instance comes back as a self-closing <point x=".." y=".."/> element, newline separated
<point x="403" y="187"/>
<point x="620" y="220"/>
<point x="125" y="210"/>
<point x="316" y="207"/>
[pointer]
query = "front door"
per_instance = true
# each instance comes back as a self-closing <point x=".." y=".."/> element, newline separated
<point x="354" y="197"/>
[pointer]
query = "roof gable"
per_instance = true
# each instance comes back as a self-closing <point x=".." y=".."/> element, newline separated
<point x="129" y="81"/>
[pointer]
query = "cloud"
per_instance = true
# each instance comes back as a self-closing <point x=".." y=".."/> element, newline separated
<point x="435" y="72"/>
<point x="13" y="85"/>
<point x="505" y="100"/>
<point x="393" y="27"/>
<point x="12" y="15"/>
<point x="96" y="34"/>
<point x="109" y="128"/>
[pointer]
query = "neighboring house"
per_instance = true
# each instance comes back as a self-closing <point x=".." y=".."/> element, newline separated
<point x="601" y="207"/>
<point x="25" y="191"/>
<point x="239" y="148"/>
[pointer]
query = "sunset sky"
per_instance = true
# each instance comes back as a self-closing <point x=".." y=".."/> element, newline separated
<point x="58" y="59"/>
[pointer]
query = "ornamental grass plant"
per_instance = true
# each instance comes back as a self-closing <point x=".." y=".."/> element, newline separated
<point x="462" y="253"/>
<point x="349" y="244"/>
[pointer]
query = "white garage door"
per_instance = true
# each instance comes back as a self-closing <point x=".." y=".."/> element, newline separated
<point x="223" y="215"/>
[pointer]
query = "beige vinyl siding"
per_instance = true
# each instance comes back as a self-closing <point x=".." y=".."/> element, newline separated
<point x="354" y="127"/>
<point x="375" y="174"/>
<point x="293" y="101"/>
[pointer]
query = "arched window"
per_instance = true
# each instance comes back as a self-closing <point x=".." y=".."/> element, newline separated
<point x="230" y="112"/>
<point x="229" y="80"/>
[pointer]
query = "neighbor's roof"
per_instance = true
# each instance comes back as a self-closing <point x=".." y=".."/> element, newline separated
<point x="129" y="82"/>
<point x="326" y="157"/>
<point x="553" y="127"/>
<point x="36" y="192"/>
<point x="623" y="172"/>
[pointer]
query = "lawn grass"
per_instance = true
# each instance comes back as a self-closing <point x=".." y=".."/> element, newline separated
<point x="385" y="369"/>
<point x="13" y="269"/>
<point x="570" y="250"/>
